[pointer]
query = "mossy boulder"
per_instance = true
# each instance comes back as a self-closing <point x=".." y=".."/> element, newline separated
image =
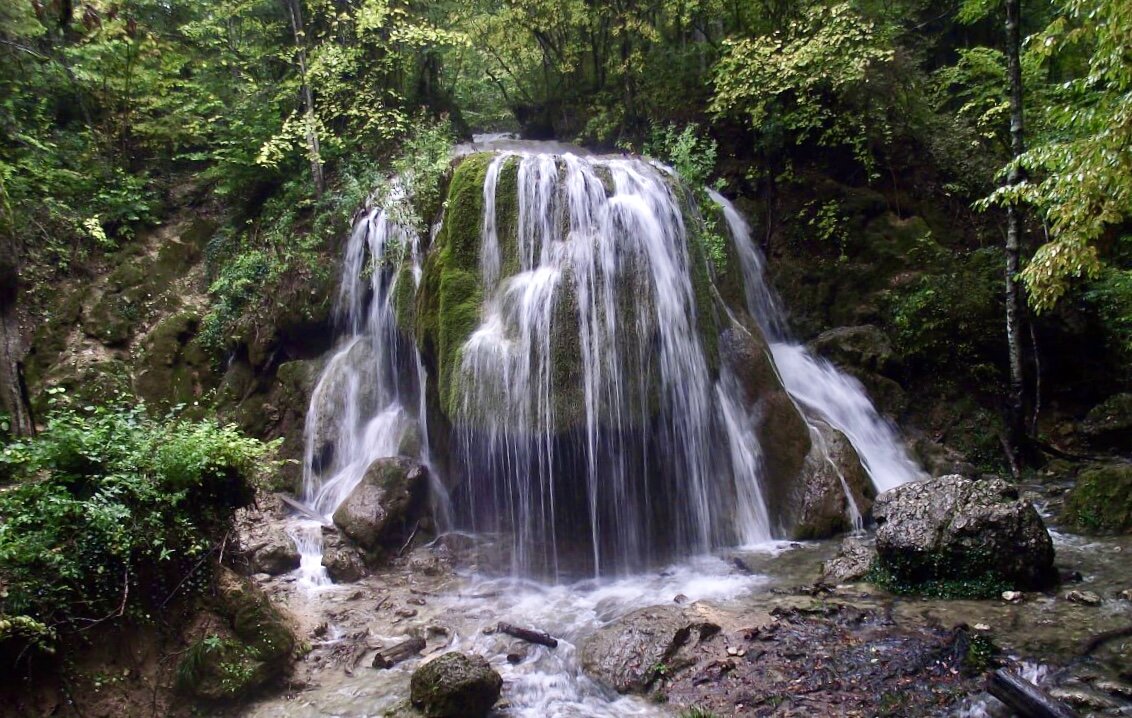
<point x="450" y="299"/>
<point x="1108" y="425"/>
<point x="1101" y="502"/>
<point x="864" y="347"/>
<point x="455" y="685"/>
<point x="381" y="509"/>
<point x="249" y="647"/>
<point x="952" y="530"/>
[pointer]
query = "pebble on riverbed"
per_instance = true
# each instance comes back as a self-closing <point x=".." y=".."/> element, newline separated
<point x="1085" y="598"/>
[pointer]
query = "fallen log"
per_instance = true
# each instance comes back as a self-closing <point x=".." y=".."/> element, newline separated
<point x="529" y="635"/>
<point x="389" y="657"/>
<point x="304" y="510"/>
<point x="1024" y="697"/>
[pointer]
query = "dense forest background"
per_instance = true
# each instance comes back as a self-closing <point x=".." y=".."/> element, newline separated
<point x="943" y="191"/>
<point x="281" y="115"/>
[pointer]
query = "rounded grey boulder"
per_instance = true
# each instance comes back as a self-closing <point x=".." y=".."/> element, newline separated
<point x="954" y="528"/>
<point x="455" y="685"/>
<point x="379" y="511"/>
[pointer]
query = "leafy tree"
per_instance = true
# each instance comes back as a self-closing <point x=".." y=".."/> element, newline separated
<point x="1082" y="168"/>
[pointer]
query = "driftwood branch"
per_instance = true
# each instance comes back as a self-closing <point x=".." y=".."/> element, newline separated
<point x="529" y="635"/>
<point x="304" y="510"/>
<point x="1024" y="697"/>
<point x="389" y="657"/>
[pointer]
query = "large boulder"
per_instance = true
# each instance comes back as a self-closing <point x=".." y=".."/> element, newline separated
<point x="956" y="529"/>
<point x="853" y="562"/>
<point x="455" y="685"/>
<point x="1101" y="502"/>
<point x="834" y="486"/>
<point x="631" y="653"/>
<point x="341" y="559"/>
<point x="380" y="510"/>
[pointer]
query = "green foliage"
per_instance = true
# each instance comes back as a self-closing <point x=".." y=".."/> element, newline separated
<point x="114" y="513"/>
<point x="693" y="156"/>
<point x="950" y="314"/>
<point x="1110" y="295"/>
<point x="809" y="81"/>
<point x="1082" y="182"/>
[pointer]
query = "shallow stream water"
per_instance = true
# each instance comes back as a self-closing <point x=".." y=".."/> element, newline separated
<point x="457" y="608"/>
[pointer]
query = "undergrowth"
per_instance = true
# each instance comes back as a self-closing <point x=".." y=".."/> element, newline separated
<point x="112" y="514"/>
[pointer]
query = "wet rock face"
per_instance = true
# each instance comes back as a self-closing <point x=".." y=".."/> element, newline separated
<point x="455" y="685"/>
<point x="630" y="654"/>
<point x="380" y="511"/>
<point x="341" y="560"/>
<point x="825" y="508"/>
<point x="277" y="555"/>
<point x="953" y="528"/>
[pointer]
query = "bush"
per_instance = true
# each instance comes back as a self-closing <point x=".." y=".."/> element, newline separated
<point x="112" y="515"/>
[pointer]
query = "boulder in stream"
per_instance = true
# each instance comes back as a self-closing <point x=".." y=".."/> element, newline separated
<point x="852" y="563"/>
<point x="631" y="653"/>
<point x="455" y="685"/>
<point x="954" y="529"/>
<point x="380" y="511"/>
<point x="276" y="555"/>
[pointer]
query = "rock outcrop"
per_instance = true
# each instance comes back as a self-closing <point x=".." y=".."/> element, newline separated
<point x="956" y="529"/>
<point x="455" y="685"/>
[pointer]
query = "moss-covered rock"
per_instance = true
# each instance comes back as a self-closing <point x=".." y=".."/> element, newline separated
<point x="243" y="645"/>
<point x="1108" y="425"/>
<point x="455" y="685"/>
<point x="451" y="296"/>
<point x="380" y="511"/>
<point x="172" y="366"/>
<point x="1101" y="502"/>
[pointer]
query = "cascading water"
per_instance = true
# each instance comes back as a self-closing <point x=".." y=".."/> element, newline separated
<point x="822" y="391"/>
<point x="362" y="407"/>
<point x="564" y="362"/>
<point x="589" y="415"/>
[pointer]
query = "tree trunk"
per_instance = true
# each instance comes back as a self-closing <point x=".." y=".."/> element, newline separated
<point x="1015" y="412"/>
<point x="13" y="396"/>
<point x="314" y="149"/>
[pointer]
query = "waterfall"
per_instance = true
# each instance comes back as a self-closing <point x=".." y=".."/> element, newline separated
<point x="364" y="405"/>
<point x="815" y="384"/>
<point x="589" y="416"/>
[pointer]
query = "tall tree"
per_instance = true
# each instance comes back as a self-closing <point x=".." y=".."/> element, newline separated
<point x="310" y="122"/>
<point x="1015" y="417"/>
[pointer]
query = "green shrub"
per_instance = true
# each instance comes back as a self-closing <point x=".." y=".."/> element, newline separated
<point x="112" y="515"/>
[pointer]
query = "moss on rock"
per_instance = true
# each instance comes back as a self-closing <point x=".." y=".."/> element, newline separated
<point x="451" y="296"/>
<point x="1101" y="502"/>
